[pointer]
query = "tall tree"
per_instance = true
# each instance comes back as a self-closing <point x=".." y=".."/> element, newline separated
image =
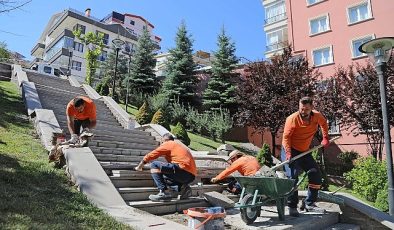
<point x="272" y="91"/>
<point x="352" y="97"/>
<point x="220" y="92"/>
<point x="94" y="43"/>
<point x="107" y="71"/>
<point x="4" y="53"/>
<point x="142" y="76"/>
<point x="180" y="80"/>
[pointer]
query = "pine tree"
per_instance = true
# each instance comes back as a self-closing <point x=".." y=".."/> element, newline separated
<point x="160" y="119"/>
<point x="143" y="114"/>
<point x="142" y="76"/>
<point x="180" y="80"/>
<point x="221" y="91"/>
<point x="107" y="71"/>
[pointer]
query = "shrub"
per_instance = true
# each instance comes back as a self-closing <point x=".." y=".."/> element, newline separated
<point x="382" y="199"/>
<point x="178" y="113"/>
<point x="264" y="156"/>
<point x="103" y="87"/>
<point x="143" y="114"/>
<point x="139" y="98"/>
<point x="347" y="159"/>
<point x="180" y="132"/>
<point x="367" y="177"/>
<point x="160" y="119"/>
<point x="219" y="123"/>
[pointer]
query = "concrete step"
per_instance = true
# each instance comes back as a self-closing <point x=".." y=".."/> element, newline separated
<point x="100" y="117"/>
<point x="123" y="145"/>
<point x="99" y="122"/>
<point x="119" y="151"/>
<point x="142" y="193"/>
<point x="108" y="166"/>
<point x="123" y="183"/>
<point x="145" y="140"/>
<point x="120" y="158"/>
<point x="129" y="133"/>
<point x="343" y="226"/>
<point x="172" y="206"/>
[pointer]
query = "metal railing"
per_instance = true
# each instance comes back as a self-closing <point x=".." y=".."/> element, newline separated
<point x="275" y="18"/>
<point x="276" y="46"/>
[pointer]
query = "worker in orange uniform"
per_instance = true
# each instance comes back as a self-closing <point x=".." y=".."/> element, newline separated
<point x="180" y="168"/>
<point x="81" y="112"/>
<point x="244" y="164"/>
<point x="300" y="128"/>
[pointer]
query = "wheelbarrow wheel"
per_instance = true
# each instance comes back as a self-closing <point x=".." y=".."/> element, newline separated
<point x="250" y="214"/>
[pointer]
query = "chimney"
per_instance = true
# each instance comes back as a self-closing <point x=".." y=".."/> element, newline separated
<point x="87" y="12"/>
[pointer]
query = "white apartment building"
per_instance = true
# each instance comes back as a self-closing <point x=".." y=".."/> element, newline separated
<point x="275" y="26"/>
<point x="58" y="47"/>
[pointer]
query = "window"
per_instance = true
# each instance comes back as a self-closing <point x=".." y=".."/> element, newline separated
<point x="275" y="12"/>
<point x="276" y="40"/>
<point x="47" y="69"/>
<point x="322" y="56"/>
<point x="80" y="27"/>
<point x="78" y="47"/>
<point x="132" y="22"/>
<point x="359" y="12"/>
<point x="105" y="37"/>
<point x="319" y="25"/>
<point x="333" y="126"/>
<point x="356" y="43"/>
<point x="102" y="56"/>
<point x="76" y="65"/>
<point x="312" y="2"/>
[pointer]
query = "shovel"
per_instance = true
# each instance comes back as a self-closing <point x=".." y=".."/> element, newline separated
<point x="301" y="155"/>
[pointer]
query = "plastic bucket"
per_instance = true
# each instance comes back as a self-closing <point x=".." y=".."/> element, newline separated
<point x="206" y="218"/>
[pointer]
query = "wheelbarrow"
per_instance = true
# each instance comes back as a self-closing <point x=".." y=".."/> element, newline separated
<point x="259" y="190"/>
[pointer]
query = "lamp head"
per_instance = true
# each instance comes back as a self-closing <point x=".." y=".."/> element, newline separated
<point x="378" y="49"/>
<point x="118" y="43"/>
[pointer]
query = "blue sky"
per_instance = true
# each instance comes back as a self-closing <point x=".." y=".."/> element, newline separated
<point x="242" y="20"/>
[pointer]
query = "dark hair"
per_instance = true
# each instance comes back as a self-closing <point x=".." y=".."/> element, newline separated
<point x="168" y="136"/>
<point x="78" y="102"/>
<point x="306" y="100"/>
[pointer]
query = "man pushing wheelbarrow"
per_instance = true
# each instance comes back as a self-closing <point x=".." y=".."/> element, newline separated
<point x="300" y="128"/>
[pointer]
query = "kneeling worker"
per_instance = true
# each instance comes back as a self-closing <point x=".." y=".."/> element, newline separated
<point x="246" y="165"/>
<point x="81" y="112"/>
<point x="180" y="168"/>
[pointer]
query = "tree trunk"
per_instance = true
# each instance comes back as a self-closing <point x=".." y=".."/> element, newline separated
<point x="273" y="144"/>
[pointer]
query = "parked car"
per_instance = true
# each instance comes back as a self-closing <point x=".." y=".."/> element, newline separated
<point x="47" y="69"/>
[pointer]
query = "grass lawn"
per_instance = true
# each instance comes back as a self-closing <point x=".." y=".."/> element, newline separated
<point x="131" y="109"/>
<point x="34" y="195"/>
<point x="332" y="188"/>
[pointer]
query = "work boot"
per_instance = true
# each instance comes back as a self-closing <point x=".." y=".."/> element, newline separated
<point x="314" y="208"/>
<point x="186" y="192"/>
<point x="161" y="196"/>
<point x="294" y="212"/>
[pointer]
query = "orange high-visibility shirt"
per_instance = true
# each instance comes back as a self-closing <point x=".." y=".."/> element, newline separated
<point x="245" y="165"/>
<point x="298" y="134"/>
<point x="175" y="153"/>
<point x="89" y="112"/>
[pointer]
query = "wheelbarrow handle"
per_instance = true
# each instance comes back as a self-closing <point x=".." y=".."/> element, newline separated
<point x="301" y="155"/>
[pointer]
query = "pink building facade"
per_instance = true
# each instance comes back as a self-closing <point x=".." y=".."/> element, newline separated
<point x="328" y="33"/>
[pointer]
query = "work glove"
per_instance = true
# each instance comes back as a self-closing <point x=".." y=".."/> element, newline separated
<point x="325" y="142"/>
<point x="74" y="139"/>
<point x="214" y="180"/>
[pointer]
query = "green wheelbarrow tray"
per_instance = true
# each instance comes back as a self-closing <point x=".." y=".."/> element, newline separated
<point x="259" y="190"/>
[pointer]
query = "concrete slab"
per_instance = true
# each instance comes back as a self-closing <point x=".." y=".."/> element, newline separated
<point x="46" y="124"/>
<point x="30" y="96"/>
<point x="91" y="179"/>
<point x="218" y="199"/>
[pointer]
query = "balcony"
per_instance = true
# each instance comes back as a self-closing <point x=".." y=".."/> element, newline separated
<point x="276" y="46"/>
<point x="275" y="18"/>
<point x="38" y="50"/>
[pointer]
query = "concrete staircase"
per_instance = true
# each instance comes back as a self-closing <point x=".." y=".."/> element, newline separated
<point x="118" y="150"/>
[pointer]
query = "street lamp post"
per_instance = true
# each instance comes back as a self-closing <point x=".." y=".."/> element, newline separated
<point x="118" y="45"/>
<point x="127" y="83"/>
<point x="70" y="54"/>
<point x="378" y="50"/>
